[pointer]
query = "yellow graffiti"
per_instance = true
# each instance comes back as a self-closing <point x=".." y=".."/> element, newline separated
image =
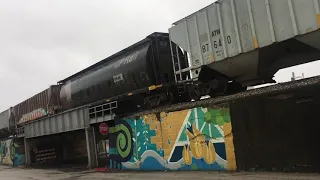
<point x="186" y="155"/>
<point x="209" y="154"/>
<point x="231" y="157"/>
<point x="196" y="140"/>
<point x="198" y="147"/>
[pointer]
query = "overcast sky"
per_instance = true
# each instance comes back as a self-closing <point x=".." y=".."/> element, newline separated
<point x="44" y="41"/>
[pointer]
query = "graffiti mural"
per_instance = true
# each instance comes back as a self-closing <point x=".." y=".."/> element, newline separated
<point x="191" y="139"/>
<point x="121" y="143"/>
<point x="38" y="113"/>
<point x="9" y="153"/>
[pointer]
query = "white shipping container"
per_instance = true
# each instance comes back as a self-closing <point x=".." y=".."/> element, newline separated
<point x="232" y="36"/>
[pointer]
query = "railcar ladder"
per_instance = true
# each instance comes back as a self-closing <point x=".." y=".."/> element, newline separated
<point x="182" y="71"/>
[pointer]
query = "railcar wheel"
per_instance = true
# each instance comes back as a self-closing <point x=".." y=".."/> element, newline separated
<point x="235" y="87"/>
<point x="152" y="102"/>
<point x="219" y="87"/>
<point x="194" y="95"/>
<point x="169" y="99"/>
<point x="194" y="92"/>
<point x="184" y="98"/>
<point x="155" y="101"/>
<point x="179" y="98"/>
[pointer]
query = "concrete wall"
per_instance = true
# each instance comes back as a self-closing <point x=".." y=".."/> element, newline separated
<point x="278" y="133"/>
<point x="12" y="152"/>
<point x="190" y="139"/>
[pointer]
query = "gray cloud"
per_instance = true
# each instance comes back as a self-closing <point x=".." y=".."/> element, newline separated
<point x="43" y="41"/>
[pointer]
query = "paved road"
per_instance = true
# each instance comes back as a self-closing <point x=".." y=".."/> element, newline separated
<point x="8" y="173"/>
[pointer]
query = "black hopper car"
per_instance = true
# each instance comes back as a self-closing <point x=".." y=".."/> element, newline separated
<point x="140" y="76"/>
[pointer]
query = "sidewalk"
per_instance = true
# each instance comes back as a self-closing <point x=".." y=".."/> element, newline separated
<point x="9" y="173"/>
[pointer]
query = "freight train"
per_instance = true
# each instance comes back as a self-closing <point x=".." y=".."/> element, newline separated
<point x="218" y="50"/>
<point x="139" y="77"/>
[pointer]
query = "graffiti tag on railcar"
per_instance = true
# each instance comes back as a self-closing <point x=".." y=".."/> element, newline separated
<point x="128" y="59"/>
<point x="35" y="114"/>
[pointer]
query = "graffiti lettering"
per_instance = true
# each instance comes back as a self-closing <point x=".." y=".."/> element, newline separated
<point x="38" y="113"/>
<point x="126" y="60"/>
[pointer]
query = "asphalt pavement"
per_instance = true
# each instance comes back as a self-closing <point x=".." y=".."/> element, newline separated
<point x="9" y="173"/>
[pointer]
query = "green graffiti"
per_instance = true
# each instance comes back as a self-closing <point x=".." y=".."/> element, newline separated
<point x="123" y="141"/>
<point x="217" y="116"/>
<point x="9" y="153"/>
<point x="12" y="149"/>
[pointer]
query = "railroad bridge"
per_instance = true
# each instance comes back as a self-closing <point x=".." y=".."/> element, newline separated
<point x="270" y="128"/>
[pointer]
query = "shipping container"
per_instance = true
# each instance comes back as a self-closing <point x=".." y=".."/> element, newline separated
<point x="41" y="105"/>
<point x="6" y="119"/>
<point x="247" y="40"/>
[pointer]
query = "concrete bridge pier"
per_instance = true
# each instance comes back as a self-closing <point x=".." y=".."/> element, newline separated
<point x="91" y="148"/>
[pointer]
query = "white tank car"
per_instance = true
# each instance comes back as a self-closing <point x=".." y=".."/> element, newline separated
<point x="246" y="41"/>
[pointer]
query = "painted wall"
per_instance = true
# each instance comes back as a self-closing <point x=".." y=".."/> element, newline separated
<point x="11" y="152"/>
<point x="191" y="139"/>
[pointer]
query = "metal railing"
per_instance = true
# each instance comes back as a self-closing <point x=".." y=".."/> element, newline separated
<point x="102" y="110"/>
